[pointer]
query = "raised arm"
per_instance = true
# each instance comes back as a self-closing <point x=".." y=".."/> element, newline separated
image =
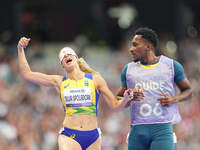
<point x="35" y="77"/>
<point x="112" y="101"/>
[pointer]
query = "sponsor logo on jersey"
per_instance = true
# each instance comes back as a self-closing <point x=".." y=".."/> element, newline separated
<point x="86" y="83"/>
<point x="73" y="136"/>
<point x="66" y="85"/>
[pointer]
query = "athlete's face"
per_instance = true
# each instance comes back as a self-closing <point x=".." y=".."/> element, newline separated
<point x="69" y="61"/>
<point x="138" y="48"/>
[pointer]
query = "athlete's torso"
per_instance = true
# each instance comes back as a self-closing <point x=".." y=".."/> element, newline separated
<point x="80" y="102"/>
<point x="153" y="82"/>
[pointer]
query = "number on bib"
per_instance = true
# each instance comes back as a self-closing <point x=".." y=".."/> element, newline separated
<point x="146" y="110"/>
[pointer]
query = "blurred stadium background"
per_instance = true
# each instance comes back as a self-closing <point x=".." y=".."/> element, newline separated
<point x="99" y="31"/>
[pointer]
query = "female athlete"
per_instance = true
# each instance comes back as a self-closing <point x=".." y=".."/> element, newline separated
<point x="79" y="91"/>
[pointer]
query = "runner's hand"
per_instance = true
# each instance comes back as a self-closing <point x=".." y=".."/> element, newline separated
<point x="23" y="42"/>
<point x="138" y="94"/>
<point x="128" y="94"/>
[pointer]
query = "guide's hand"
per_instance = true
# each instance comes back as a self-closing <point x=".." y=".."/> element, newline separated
<point x="138" y="94"/>
<point x="166" y="100"/>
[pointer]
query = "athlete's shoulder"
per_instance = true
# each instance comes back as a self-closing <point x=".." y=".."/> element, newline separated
<point x="98" y="81"/>
<point x="163" y="57"/>
<point x="179" y="73"/>
<point x="97" y="77"/>
<point x="177" y="63"/>
<point x="89" y="76"/>
<point x="128" y="64"/>
<point x="62" y="78"/>
<point x="131" y="63"/>
<point x="125" y="66"/>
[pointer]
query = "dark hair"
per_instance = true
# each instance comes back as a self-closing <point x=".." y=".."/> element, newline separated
<point x="149" y="35"/>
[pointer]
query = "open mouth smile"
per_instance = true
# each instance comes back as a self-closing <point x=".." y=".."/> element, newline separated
<point x="69" y="60"/>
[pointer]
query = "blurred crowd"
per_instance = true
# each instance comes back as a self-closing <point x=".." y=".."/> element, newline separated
<point x="31" y="116"/>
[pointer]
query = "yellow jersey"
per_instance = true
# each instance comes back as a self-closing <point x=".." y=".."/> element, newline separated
<point x="79" y="97"/>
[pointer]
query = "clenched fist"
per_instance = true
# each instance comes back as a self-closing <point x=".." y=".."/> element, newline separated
<point x="23" y="42"/>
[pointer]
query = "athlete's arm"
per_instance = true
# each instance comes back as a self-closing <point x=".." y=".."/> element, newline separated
<point x="137" y="93"/>
<point x="123" y="86"/>
<point x="183" y="84"/>
<point x="35" y="77"/>
<point x="186" y="90"/>
<point x="112" y="101"/>
<point x="121" y="91"/>
<point x="120" y="94"/>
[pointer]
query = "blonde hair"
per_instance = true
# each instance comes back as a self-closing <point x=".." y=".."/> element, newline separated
<point x="85" y="67"/>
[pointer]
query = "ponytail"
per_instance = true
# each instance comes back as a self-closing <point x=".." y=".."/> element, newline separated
<point x="85" y="67"/>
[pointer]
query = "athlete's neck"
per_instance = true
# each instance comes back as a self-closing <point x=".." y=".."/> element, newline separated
<point x="76" y="74"/>
<point x="151" y="59"/>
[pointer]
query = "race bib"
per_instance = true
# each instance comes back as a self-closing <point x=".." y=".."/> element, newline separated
<point x="78" y="97"/>
<point x="147" y="110"/>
